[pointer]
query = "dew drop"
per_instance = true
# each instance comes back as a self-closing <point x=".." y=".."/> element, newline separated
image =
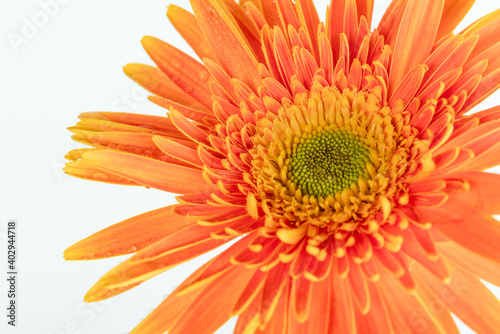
<point x="177" y="64"/>
<point x="88" y="256"/>
<point x="204" y="76"/>
<point x="132" y="249"/>
<point x="212" y="12"/>
<point x="188" y="89"/>
<point x="100" y="176"/>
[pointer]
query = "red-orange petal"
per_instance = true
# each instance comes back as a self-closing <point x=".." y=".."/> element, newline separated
<point x="415" y="37"/>
<point x="453" y="13"/>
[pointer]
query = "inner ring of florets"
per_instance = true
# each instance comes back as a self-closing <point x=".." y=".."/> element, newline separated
<point x="328" y="161"/>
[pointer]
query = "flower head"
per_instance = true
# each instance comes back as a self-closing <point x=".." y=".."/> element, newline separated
<point x="338" y="156"/>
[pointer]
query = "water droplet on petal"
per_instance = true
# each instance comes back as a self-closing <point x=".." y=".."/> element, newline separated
<point x="188" y="89"/>
<point x="100" y="176"/>
<point x="132" y="249"/>
<point x="204" y="76"/>
<point x="88" y="256"/>
<point x="176" y="63"/>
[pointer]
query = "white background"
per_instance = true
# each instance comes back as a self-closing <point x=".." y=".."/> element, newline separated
<point x="71" y="63"/>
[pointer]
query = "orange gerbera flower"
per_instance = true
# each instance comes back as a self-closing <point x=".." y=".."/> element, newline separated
<point x="339" y="157"/>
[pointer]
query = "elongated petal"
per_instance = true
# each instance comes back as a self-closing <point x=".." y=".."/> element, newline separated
<point x="157" y="82"/>
<point x="227" y="40"/>
<point x="483" y="192"/>
<point x="453" y="13"/>
<point x="187" y="25"/>
<point x="220" y="296"/>
<point x="149" y="172"/>
<point x="468" y="298"/>
<point x="187" y="73"/>
<point x="467" y="226"/>
<point x="176" y="248"/>
<point x="86" y="171"/>
<point x="415" y="38"/>
<point x="128" y="236"/>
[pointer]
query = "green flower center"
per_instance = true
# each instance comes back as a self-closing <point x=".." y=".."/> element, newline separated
<point x="327" y="162"/>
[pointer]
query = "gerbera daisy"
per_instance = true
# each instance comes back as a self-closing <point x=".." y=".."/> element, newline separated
<point x="338" y="157"/>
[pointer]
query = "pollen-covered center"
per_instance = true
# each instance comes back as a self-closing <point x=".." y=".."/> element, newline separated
<point x="328" y="162"/>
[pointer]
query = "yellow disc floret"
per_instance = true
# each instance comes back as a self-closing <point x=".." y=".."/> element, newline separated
<point x="327" y="162"/>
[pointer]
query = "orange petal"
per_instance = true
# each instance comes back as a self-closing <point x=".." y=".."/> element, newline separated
<point x="317" y="321"/>
<point x="483" y="190"/>
<point x="342" y="310"/>
<point x="149" y="172"/>
<point x="487" y="29"/>
<point x="203" y="311"/>
<point x="187" y="25"/>
<point x="476" y="265"/>
<point x="83" y="170"/>
<point x="252" y="291"/>
<point x="408" y="87"/>
<point x="117" y="121"/>
<point x="448" y="58"/>
<point x="343" y="20"/>
<point x="166" y="314"/>
<point x="189" y="128"/>
<point x="187" y="73"/>
<point x="468" y="298"/>
<point x="359" y="287"/>
<point x="378" y="318"/>
<point x="157" y="82"/>
<point x="484" y="132"/>
<point x="487" y="86"/>
<point x="437" y="266"/>
<point x="411" y="313"/>
<point x="128" y="236"/>
<point x="212" y="308"/>
<point x="227" y="40"/>
<point x="279" y="322"/>
<point x="302" y="298"/>
<point x="390" y="22"/>
<point x="136" y="143"/>
<point x="365" y="8"/>
<point x="490" y="54"/>
<point x="176" y="150"/>
<point x="453" y="13"/>
<point x="309" y="20"/>
<point x="466" y="225"/>
<point x="193" y="114"/>
<point x="415" y="37"/>
<point x="176" y="248"/>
